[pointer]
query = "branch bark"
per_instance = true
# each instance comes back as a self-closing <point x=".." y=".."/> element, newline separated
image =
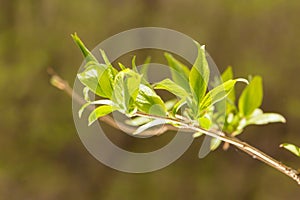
<point x="255" y="153"/>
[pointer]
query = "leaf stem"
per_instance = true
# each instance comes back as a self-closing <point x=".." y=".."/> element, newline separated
<point x="255" y="153"/>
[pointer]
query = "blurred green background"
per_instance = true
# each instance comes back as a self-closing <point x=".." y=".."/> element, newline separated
<point x="41" y="154"/>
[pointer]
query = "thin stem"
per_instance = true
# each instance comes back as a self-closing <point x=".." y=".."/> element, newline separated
<point x="186" y="127"/>
<point x="252" y="151"/>
<point x="61" y="84"/>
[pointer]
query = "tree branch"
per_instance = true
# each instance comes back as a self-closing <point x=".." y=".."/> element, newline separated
<point x="255" y="153"/>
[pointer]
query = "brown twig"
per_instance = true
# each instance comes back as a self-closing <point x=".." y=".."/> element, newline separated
<point x="61" y="84"/>
<point x="255" y="153"/>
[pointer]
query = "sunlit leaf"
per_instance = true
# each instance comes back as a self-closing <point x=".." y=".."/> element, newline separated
<point x="197" y="134"/>
<point x="133" y="64"/>
<point x="86" y="53"/>
<point x="266" y="118"/>
<point x="292" y="148"/>
<point x="228" y="75"/>
<point x="214" y="143"/>
<point x="126" y="89"/>
<point x="242" y="124"/>
<point x="172" y="87"/>
<point x="218" y="93"/>
<point x="170" y="104"/>
<point x="96" y="79"/>
<point x="122" y="67"/>
<point x="100" y="112"/>
<point x="251" y="97"/>
<point x="199" y="75"/>
<point x="144" y="67"/>
<point x="179" y="72"/>
<point x="105" y="58"/>
<point x="112" y="72"/>
<point x="98" y="102"/>
<point x="178" y="105"/>
<point x="149" y="102"/>
<point x="205" y="123"/>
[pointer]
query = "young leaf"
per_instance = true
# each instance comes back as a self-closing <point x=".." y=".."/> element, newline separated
<point x="138" y="121"/>
<point x="292" y="148"/>
<point x="144" y="67"/>
<point x="112" y="72"/>
<point x="134" y="64"/>
<point x="122" y="66"/>
<point x="218" y="93"/>
<point x="178" y="105"/>
<point x="86" y="53"/>
<point x="228" y="75"/>
<point x="266" y="118"/>
<point x="199" y="75"/>
<point x="251" y="97"/>
<point x="170" y="103"/>
<point x="102" y="101"/>
<point x="126" y="89"/>
<point x="149" y="102"/>
<point x="197" y="134"/>
<point x="149" y="125"/>
<point x="172" y="87"/>
<point x="205" y="123"/>
<point x="179" y="72"/>
<point x="214" y="143"/>
<point x="93" y="75"/>
<point x="105" y="58"/>
<point x="100" y="112"/>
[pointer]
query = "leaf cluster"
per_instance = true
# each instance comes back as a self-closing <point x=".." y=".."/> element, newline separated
<point x="128" y="91"/>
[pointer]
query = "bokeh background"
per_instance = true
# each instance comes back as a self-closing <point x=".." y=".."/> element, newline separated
<point x="41" y="155"/>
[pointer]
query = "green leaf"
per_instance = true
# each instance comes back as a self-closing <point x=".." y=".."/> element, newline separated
<point x="149" y="102"/>
<point x="218" y="93"/>
<point x="126" y="89"/>
<point x="292" y="148"/>
<point x="266" y="118"/>
<point x="199" y="75"/>
<point x="179" y="72"/>
<point x="251" y="97"/>
<point x="170" y="104"/>
<point x="138" y="121"/>
<point x="149" y="125"/>
<point x="197" y="134"/>
<point x="122" y="67"/>
<point x="134" y="64"/>
<point x="205" y="123"/>
<point x="112" y="72"/>
<point x="178" y="105"/>
<point x="241" y="125"/>
<point x="144" y="70"/>
<point x="86" y="53"/>
<point x="144" y="67"/>
<point x="228" y="75"/>
<point x="105" y="58"/>
<point x="102" y="101"/>
<point x="172" y="87"/>
<point x="215" y="143"/>
<point x="100" y="112"/>
<point x="96" y="78"/>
